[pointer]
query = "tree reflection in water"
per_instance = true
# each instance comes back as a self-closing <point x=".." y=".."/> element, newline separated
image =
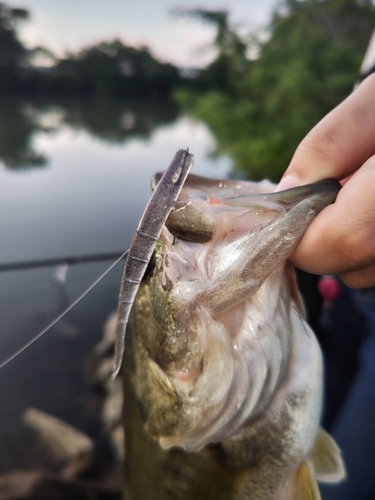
<point x="16" y="131"/>
<point x="108" y="120"/>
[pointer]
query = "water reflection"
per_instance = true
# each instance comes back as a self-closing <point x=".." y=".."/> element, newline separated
<point x="116" y="122"/>
<point x="109" y="120"/>
<point x="16" y="130"/>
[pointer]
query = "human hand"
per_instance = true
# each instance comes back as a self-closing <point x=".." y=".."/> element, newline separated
<point x="341" y="240"/>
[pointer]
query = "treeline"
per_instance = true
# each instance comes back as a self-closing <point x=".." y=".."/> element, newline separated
<point x="266" y="93"/>
<point x="260" y="95"/>
<point x="106" y="69"/>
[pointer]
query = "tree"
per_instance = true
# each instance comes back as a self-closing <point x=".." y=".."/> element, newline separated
<point x="308" y="64"/>
<point x="112" y="68"/>
<point x="105" y="69"/>
<point x="12" y="52"/>
<point x="230" y="63"/>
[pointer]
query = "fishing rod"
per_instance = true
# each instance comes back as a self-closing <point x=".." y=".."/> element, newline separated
<point x="71" y="260"/>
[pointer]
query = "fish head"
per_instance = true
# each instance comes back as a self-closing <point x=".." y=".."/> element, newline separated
<point x="217" y="316"/>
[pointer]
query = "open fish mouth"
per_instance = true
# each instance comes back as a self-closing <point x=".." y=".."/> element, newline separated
<point x="240" y="237"/>
<point x="227" y="322"/>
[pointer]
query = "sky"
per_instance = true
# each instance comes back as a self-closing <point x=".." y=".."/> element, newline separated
<point x="69" y="25"/>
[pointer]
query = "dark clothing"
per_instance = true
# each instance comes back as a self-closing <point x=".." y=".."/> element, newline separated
<point x="353" y="426"/>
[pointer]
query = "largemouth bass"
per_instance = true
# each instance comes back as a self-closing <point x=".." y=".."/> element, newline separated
<point x="223" y="376"/>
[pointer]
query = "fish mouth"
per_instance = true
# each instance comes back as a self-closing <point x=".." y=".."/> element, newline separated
<point x="241" y="190"/>
<point x="297" y="207"/>
<point x="190" y="221"/>
<point x="315" y="196"/>
<point x="227" y="316"/>
<point x="242" y="236"/>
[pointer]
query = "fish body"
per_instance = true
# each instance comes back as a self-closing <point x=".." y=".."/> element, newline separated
<point x="223" y="376"/>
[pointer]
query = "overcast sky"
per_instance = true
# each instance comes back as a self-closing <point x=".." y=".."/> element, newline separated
<point x="71" y="24"/>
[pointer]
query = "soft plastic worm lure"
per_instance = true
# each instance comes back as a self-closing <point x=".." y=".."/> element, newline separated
<point x="144" y="241"/>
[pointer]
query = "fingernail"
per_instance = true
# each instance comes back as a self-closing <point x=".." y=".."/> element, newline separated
<point x="287" y="182"/>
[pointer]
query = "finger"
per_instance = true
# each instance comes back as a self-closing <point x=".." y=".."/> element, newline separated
<point x="359" y="279"/>
<point x="339" y="144"/>
<point x="342" y="237"/>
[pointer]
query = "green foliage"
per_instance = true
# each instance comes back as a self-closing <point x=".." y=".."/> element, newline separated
<point x="12" y="52"/>
<point x="112" y="68"/>
<point x="225" y="71"/>
<point x="306" y="67"/>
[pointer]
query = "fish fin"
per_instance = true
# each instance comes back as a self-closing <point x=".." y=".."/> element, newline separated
<point x="306" y="487"/>
<point x="327" y="460"/>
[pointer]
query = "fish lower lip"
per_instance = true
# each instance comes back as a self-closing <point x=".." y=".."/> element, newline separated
<point x="325" y="190"/>
<point x="326" y="187"/>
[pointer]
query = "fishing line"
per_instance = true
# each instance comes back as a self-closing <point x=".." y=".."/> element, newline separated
<point x="53" y="323"/>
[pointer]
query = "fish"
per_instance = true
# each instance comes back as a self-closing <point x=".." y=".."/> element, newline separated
<point x="223" y="377"/>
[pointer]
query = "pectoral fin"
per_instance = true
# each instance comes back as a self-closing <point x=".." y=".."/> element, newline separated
<point x="327" y="460"/>
<point x="306" y="487"/>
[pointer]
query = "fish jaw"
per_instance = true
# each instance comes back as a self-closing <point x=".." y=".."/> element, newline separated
<point x="237" y="268"/>
<point x="217" y="320"/>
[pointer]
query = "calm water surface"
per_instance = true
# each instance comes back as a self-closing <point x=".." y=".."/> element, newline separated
<point x="74" y="180"/>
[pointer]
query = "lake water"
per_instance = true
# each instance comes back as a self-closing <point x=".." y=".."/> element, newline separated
<point x="74" y="180"/>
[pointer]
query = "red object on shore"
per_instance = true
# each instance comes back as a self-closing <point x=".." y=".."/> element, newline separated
<point x="329" y="288"/>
